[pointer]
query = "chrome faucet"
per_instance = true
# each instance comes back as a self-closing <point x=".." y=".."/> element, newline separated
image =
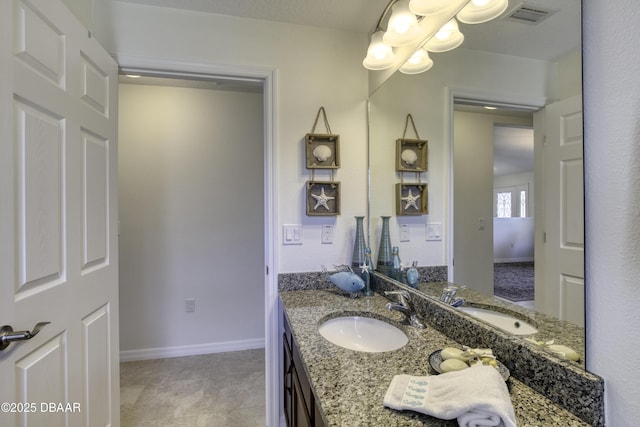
<point x="406" y="307"/>
<point x="449" y="296"/>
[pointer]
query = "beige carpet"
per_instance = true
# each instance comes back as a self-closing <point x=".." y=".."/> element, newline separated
<point x="214" y="390"/>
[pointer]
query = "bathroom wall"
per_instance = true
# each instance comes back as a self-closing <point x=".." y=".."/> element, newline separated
<point x="612" y="201"/>
<point x="191" y="220"/>
<point x="315" y="67"/>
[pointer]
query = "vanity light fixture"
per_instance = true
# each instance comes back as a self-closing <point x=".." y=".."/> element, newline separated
<point x="412" y="30"/>
<point x="479" y="11"/>
<point x="447" y="38"/>
<point x="379" y="55"/>
<point x="418" y="63"/>
<point x="402" y="28"/>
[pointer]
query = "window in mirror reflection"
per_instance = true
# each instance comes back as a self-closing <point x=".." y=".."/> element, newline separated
<point x="510" y="202"/>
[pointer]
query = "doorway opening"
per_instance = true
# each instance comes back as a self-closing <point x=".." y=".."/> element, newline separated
<point x="493" y="195"/>
<point x="211" y="194"/>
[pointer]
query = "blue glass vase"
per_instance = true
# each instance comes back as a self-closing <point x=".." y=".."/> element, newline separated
<point x="358" y="257"/>
<point x="384" y="252"/>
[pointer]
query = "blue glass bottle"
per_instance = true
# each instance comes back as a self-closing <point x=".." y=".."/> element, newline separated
<point x="369" y="267"/>
<point x="396" y="264"/>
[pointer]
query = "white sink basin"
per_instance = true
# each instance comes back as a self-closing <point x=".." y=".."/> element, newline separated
<point x="503" y="321"/>
<point x="363" y="334"/>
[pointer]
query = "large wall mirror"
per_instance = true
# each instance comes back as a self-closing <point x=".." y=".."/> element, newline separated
<point x="504" y="184"/>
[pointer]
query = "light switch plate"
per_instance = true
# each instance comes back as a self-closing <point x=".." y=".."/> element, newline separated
<point x="292" y="234"/>
<point x="434" y="231"/>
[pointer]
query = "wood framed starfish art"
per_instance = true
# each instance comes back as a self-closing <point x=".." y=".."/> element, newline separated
<point x="412" y="199"/>
<point x="323" y="198"/>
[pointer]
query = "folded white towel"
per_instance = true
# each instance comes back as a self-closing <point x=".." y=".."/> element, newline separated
<point x="477" y="396"/>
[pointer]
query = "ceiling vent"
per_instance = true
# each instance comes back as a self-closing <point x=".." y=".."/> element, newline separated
<point x="529" y="14"/>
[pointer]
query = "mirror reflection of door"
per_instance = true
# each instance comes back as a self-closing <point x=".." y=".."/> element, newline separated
<point x="560" y="211"/>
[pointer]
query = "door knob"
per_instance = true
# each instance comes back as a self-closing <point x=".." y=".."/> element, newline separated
<point x="8" y="335"/>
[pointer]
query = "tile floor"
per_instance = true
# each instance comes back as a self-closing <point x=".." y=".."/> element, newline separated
<point x="213" y="390"/>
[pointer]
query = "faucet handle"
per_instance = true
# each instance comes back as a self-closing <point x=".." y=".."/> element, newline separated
<point x="449" y="292"/>
<point x="403" y="294"/>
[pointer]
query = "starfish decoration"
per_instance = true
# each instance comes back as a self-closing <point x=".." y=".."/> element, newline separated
<point x="365" y="268"/>
<point x="411" y="200"/>
<point x="321" y="199"/>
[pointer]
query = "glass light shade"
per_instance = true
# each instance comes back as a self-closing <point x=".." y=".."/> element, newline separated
<point x="402" y="28"/>
<point x="447" y="38"/>
<point x="418" y="63"/>
<point x="379" y="54"/>
<point x="427" y="7"/>
<point x="479" y="11"/>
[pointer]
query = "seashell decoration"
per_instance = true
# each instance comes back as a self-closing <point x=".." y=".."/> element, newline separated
<point x="409" y="157"/>
<point x="322" y="153"/>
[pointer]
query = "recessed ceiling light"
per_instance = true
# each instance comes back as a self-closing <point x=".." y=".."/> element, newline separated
<point x="487" y="107"/>
<point x="133" y="76"/>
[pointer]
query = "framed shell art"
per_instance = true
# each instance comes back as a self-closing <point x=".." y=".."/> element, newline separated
<point x="411" y="155"/>
<point x="322" y="151"/>
<point x="412" y="199"/>
<point x="323" y="198"/>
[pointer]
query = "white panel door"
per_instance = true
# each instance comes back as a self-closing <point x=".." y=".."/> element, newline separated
<point x="561" y="293"/>
<point x="58" y="219"/>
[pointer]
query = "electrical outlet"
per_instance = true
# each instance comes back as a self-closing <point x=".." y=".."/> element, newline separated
<point x="190" y="305"/>
<point x="404" y="233"/>
<point x="327" y="234"/>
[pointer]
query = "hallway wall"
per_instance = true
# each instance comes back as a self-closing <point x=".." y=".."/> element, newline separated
<point x="191" y="220"/>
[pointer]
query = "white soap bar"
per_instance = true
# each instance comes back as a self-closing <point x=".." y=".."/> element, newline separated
<point x="453" y="365"/>
<point x="564" y="351"/>
<point x="453" y="353"/>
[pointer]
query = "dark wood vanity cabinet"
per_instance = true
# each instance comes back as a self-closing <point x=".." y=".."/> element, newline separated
<point x="300" y="406"/>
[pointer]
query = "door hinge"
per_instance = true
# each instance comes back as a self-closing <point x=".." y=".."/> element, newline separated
<point x="267" y="269"/>
<point x="544" y="237"/>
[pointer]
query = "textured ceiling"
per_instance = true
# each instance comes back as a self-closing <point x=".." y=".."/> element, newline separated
<point x="553" y="38"/>
<point x="352" y="15"/>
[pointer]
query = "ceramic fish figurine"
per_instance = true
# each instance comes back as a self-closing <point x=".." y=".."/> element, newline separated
<point x="348" y="281"/>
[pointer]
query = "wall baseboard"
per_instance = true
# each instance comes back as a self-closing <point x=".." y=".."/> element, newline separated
<point x="505" y="260"/>
<point x="190" y="350"/>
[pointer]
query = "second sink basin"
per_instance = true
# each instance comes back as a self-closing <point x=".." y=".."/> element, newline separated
<point x="503" y="321"/>
<point x="363" y="334"/>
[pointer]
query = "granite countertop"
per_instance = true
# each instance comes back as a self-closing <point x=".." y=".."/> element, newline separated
<point x="549" y="328"/>
<point x="350" y="385"/>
